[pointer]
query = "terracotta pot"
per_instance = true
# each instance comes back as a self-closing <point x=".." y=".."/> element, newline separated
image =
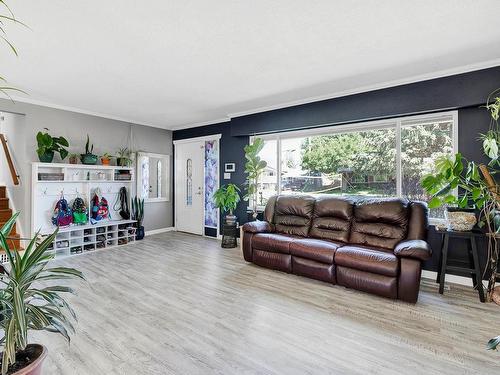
<point x="105" y="161"/>
<point x="35" y="367"/>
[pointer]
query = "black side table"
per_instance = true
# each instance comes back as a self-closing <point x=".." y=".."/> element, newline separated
<point x="229" y="235"/>
<point x="472" y="268"/>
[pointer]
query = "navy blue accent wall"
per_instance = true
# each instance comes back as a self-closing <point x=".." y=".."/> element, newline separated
<point x="454" y="92"/>
<point x="463" y="92"/>
<point x="231" y="151"/>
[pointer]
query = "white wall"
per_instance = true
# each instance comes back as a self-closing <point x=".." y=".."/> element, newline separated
<point x="106" y="135"/>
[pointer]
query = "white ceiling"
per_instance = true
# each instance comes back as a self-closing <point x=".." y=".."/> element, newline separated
<point x="177" y="63"/>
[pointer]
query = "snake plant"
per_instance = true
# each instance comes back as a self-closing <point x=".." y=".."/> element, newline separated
<point x="26" y="301"/>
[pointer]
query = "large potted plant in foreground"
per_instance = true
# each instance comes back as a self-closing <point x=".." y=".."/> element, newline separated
<point x="28" y="303"/>
<point x="48" y="145"/>
<point x="226" y="199"/>
<point x="479" y="187"/>
<point x="254" y="168"/>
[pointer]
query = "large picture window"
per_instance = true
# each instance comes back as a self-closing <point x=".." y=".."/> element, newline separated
<point x="373" y="159"/>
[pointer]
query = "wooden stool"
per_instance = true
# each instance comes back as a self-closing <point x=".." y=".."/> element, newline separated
<point x="472" y="269"/>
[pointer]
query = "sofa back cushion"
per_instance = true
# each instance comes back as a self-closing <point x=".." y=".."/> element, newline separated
<point x="332" y="218"/>
<point x="293" y="214"/>
<point x="380" y="223"/>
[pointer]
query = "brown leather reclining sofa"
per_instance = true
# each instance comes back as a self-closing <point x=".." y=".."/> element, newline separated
<point x="374" y="245"/>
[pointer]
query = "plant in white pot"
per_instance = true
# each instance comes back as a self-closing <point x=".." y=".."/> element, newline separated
<point x="28" y="303"/>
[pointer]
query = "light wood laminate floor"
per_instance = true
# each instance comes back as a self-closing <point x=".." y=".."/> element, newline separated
<point x="179" y="304"/>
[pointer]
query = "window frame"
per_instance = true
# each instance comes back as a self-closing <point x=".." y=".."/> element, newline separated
<point x="395" y="123"/>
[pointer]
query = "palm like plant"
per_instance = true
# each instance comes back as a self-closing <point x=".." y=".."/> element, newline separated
<point x="7" y="17"/>
<point x="138" y="210"/>
<point x="27" y="305"/>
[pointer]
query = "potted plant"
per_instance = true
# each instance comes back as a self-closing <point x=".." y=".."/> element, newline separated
<point x="226" y="198"/>
<point x="48" y="145"/>
<point x="477" y="185"/>
<point x="73" y="158"/>
<point x="254" y="167"/>
<point x="138" y="215"/>
<point x="124" y="157"/>
<point x="105" y="158"/>
<point x="28" y="305"/>
<point x="88" y="157"/>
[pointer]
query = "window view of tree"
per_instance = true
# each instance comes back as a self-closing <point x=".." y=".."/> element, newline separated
<point x="358" y="162"/>
<point x="421" y="145"/>
<point x="268" y="184"/>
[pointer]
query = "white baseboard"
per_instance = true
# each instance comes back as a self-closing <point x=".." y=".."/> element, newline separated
<point x="449" y="278"/>
<point x="161" y="230"/>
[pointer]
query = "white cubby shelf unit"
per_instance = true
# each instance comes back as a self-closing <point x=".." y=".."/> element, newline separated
<point x="51" y="180"/>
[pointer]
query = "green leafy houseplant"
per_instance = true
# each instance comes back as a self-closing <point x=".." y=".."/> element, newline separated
<point x="123" y="159"/>
<point x="48" y="145"/>
<point x="138" y="215"/>
<point x="254" y="167"/>
<point x="89" y="157"/>
<point x="28" y="305"/>
<point x="226" y="198"/>
<point x="478" y="188"/>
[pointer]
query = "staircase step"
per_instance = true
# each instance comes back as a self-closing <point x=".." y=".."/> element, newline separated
<point x="13" y="231"/>
<point x="5" y="214"/>
<point x="14" y="242"/>
<point x="3" y="192"/>
<point x="4" y="203"/>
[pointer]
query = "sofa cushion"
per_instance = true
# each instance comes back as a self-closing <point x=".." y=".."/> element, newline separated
<point x="365" y="259"/>
<point x="385" y="286"/>
<point x="293" y="214"/>
<point x="332" y="218"/>
<point x="318" y="250"/>
<point x="272" y="242"/>
<point x="379" y="223"/>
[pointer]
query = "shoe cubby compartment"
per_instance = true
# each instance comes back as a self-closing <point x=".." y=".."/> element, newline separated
<point x="79" y="240"/>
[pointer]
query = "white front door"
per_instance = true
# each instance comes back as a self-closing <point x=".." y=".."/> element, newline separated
<point x="189" y="185"/>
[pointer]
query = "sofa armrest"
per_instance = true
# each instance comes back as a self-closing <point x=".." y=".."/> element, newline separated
<point x="258" y="227"/>
<point x="417" y="249"/>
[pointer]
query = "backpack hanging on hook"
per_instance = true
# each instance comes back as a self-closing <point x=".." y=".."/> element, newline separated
<point x="121" y="204"/>
<point x="79" y="211"/>
<point x="62" y="215"/>
<point x="100" y="208"/>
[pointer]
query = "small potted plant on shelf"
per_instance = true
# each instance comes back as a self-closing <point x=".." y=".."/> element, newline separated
<point x="138" y="215"/>
<point x="105" y="158"/>
<point x="27" y="303"/>
<point x="73" y="158"/>
<point x="226" y="198"/>
<point x="89" y="157"/>
<point x="123" y="158"/>
<point x="48" y="145"/>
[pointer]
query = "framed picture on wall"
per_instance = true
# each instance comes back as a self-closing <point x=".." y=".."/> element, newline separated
<point x="230" y="167"/>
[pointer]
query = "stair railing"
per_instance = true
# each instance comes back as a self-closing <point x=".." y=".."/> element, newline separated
<point x="13" y="172"/>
